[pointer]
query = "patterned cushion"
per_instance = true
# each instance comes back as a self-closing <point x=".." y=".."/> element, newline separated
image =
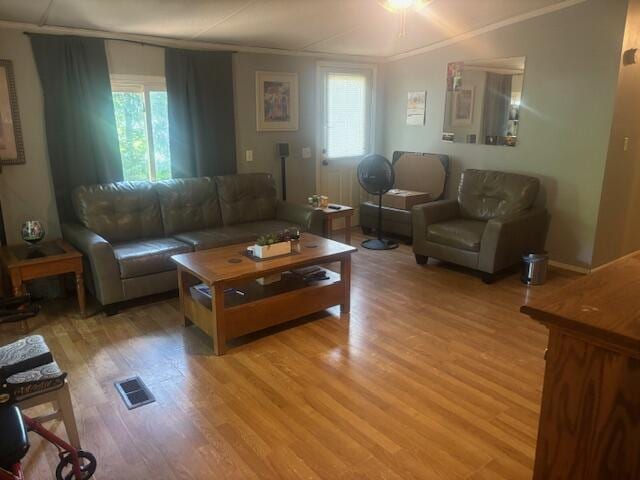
<point x="25" y="354"/>
<point x="36" y="381"/>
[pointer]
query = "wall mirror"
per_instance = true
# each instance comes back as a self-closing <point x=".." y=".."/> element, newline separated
<point x="482" y="105"/>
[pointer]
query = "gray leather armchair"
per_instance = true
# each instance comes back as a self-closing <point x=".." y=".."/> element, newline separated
<point x="488" y="227"/>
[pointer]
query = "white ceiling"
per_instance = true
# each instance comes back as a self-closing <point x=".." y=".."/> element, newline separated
<point x="351" y="27"/>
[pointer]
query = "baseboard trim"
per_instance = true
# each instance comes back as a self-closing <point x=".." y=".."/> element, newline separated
<point x="569" y="267"/>
<point x="600" y="267"/>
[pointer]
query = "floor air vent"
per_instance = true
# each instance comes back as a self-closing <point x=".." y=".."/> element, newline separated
<point x="134" y="392"/>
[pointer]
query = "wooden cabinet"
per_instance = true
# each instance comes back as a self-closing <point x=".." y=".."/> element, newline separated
<point x="590" y="418"/>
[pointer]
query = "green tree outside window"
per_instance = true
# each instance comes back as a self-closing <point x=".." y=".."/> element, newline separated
<point x="133" y="134"/>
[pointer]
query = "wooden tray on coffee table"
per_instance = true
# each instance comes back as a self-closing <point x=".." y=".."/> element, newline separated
<point x="227" y="316"/>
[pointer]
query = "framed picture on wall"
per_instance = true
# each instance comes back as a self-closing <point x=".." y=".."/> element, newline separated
<point x="276" y="101"/>
<point x="416" y="107"/>
<point x="462" y="112"/>
<point x="11" y="146"/>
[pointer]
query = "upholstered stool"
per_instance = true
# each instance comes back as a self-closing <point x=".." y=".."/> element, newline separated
<point x="30" y="377"/>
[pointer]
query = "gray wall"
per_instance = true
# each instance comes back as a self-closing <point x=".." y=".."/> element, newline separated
<point x="127" y="58"/>
<point x="301" y="173"/>
<point x="26" y="191"/>
<point x="619" y="218"/>
<point x="569" y="85"/>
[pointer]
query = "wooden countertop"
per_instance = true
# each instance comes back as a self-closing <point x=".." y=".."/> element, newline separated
<point x="603" y="307"/>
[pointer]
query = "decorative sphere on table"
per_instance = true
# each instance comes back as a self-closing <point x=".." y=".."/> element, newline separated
<point x="32" y="231"/>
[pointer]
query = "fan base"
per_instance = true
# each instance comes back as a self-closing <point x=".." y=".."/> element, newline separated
<point x="379" y="244"/>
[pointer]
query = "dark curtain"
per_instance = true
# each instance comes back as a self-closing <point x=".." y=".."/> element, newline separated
<point x="201" y="117"/>
<point x="497" y="101"/>
<point x="81" y="129"/>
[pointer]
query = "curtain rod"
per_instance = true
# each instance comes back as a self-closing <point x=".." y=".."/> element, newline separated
<point x="139" y="42"/>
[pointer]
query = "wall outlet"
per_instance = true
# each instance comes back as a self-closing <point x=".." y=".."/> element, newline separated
<point x="248" y="155"/>
<point x="306" y="152"/>
<point x="625" y="144"/>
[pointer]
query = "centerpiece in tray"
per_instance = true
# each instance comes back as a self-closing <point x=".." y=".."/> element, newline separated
<point x="275" y="244"/>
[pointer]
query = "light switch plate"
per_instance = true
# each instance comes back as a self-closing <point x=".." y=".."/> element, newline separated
<point x="306" y="152"/>
<point x="248" y="155"/>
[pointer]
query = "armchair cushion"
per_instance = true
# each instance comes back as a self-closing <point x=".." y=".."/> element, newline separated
<point x="426" y="214"/>
<point x="457" y="233"/>
<point x="145" y="257"/>
<point x="485" y="194"/>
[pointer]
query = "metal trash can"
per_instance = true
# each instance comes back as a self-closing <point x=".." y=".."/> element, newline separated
<point x="534" y="268"/>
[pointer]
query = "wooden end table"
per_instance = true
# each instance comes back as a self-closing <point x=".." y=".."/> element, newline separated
<point x="331" y="214"/>
<point x="25" y="262"/>
<point x="225" y="315"/>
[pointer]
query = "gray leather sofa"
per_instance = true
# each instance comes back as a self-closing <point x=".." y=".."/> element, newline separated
<point x="128" y="231"/>
<point x="491" y="224"/>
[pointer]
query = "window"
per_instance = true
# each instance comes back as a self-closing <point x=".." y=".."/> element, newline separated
<point x="140" y="105"/>
<point x="347" y="114"/>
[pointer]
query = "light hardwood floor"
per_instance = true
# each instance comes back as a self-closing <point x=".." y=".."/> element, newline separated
<point x="433" y="375"/>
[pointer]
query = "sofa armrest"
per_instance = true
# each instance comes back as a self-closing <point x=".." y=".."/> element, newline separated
<point x="306" y="216"/>
<point x="105" y="272"/>
<point x="506" y="239"/>
<point x="425" y="214"/>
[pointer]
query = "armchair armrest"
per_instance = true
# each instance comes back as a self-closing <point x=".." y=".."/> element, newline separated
<point x="105" y="272"/>
<point x="506" y="239"/>
<point x="425" y="214"/>
<point x="306" y="216"/>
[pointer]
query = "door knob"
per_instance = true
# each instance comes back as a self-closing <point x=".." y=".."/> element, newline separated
<point x="325" y="162"/>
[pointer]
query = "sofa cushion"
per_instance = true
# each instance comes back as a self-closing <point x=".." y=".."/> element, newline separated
<point x="247" y="197"/>
<point x="266" y="226"/>
<point x="215" y="237"/>
<point x="120" y="211"/>
<point x="145" y="257"/>
<point x="485" y="194"/>
<point x="188" y="204"/>
<point x="457" y="233"/>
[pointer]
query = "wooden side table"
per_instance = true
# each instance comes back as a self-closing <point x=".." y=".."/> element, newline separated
<point x="23" y="263"/>
<point x="331" y="214"/>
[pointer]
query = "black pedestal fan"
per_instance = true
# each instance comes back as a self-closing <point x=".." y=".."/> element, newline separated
<point x="376" y="176"/>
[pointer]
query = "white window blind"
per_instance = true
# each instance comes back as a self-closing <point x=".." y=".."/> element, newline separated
<point x="346" y="115"/>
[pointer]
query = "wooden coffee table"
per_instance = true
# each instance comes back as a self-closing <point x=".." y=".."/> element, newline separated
<point x="226" y="270"/>
<point x="56" y="257"/>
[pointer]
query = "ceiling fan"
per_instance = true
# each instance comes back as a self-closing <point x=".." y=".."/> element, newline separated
<point x="402" y="7"/>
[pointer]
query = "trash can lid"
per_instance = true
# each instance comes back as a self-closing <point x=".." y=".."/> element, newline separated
<point x="535" y="256"/>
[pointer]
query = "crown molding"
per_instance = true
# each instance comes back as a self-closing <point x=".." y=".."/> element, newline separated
<point x="176" y="43"/>
<point x="487" y="28"/>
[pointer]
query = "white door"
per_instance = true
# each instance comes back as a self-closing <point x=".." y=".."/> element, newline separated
<point x="346" y="118"/>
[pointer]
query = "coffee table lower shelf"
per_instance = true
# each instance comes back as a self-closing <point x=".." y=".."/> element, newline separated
<point x="229" y="315"/>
